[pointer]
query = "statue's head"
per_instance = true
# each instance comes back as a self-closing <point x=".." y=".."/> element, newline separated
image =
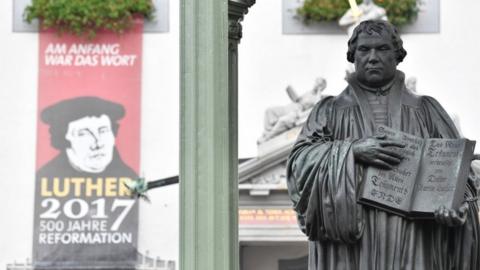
<point x="376" y="49"/>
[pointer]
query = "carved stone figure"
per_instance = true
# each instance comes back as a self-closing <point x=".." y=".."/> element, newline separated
<point x="411" y="84"/>
<point x="337" y="144"/>
<point x="368" y="11"/>
<point x="281" y="118"/>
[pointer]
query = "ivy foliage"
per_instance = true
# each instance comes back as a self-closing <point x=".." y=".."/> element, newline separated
<point x="399" y="12"/>
<point x="87" y="17"/>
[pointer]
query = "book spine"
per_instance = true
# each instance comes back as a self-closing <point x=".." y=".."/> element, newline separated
<point x="464" y="169"/>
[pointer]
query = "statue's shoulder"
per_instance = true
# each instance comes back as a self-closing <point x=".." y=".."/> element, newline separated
<point x="428" y="99"/>
<point x="411" y="99"/>
<point x="414" y="100"/>
<point x="324" y="109"/>
<point x="430" y="102"/>
<point x="345" y="99"/>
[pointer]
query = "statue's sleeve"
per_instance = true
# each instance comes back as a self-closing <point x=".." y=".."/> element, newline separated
<point x="322" y="181"/>
<point x="439" y="123"/>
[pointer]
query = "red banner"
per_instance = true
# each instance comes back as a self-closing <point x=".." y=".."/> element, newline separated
<point x="88" y="145"/>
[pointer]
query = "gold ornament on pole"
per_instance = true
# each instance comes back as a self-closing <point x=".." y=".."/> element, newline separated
<point x="356" y="12"/>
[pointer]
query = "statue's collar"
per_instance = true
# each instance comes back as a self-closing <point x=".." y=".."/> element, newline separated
<point x="399" y="76"/>
<point x="394" y="101"/>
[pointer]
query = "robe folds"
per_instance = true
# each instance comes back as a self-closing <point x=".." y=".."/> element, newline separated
<point x="323" y="181"/>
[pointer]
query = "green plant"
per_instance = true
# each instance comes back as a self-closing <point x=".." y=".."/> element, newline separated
<point x="87" y="17"/>
<point x="399" y="12"/>
<point x="323" y="10"/>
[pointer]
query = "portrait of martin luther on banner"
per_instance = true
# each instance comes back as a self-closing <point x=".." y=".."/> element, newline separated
<point x="87" y="173"/>
<point x="84" y="129"/>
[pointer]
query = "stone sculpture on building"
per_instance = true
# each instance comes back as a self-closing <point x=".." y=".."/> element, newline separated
<point x="367" y="10"/>
<point x="281" y="118"/>
<point x="411" y="84"/>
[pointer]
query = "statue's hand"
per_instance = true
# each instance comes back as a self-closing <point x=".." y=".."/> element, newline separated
<point x="373" y="151"/>
<point x="451" y="217"/>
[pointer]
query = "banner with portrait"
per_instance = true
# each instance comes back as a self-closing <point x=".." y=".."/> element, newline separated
<point x="88" y="146"/>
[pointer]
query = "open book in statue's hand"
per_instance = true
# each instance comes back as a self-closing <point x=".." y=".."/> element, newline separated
<point x="432" y="174"/>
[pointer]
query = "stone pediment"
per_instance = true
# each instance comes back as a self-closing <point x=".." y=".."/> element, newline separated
<point x="267" y="171"/>
<point x="282" y="126"/>
<point x="273" y="178"/>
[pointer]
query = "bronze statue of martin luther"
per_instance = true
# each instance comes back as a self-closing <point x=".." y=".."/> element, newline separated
<point x="337" y="143"/>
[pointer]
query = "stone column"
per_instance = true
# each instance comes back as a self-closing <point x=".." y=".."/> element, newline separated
<point x="209" y="35"/>
<point x="236" y="11"/>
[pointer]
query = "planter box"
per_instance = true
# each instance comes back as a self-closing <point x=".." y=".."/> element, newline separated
<point x="428" y="20"/>
<point x="159" y="24"/>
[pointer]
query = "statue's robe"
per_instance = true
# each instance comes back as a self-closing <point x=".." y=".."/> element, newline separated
<point x="323" y="180"/>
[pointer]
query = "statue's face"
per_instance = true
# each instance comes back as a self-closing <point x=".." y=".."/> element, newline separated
<point x="375" y="60"/>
